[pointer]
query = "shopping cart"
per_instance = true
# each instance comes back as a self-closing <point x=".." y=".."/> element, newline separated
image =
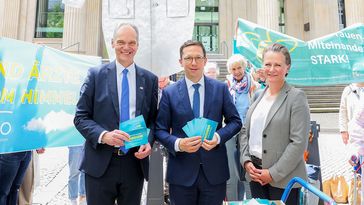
<point x="286" y="192"/>
<point x="309" y="187"/>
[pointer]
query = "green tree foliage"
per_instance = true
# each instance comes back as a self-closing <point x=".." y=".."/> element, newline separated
<point x="55" y="22"/>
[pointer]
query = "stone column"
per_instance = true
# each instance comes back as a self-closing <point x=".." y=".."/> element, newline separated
<point x="354" y="12"/>
<point x="268" y="14"/>
<point x="93" y="40"/>
<point x="323" y="16"/>
<point x="294" y="21"/>
<point x="74" y="29"/>
<point x="9" y="15"/>
<point x="27" y="20"/>
<point x="229" y="12"/>
<point x="2" y="16"/>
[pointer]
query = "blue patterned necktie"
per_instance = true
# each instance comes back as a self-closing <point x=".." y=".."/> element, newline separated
<point x="196" y="101"/>
<point x="124" y="107"/>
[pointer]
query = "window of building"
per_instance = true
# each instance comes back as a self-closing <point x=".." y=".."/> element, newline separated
<point x="342" y="21"/>
<point x="49" y="21"/>
<point x="281" y="17"/>
<point x="206" y="27"/>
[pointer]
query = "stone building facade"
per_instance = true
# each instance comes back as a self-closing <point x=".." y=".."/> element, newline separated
<point x="80" y="30"/>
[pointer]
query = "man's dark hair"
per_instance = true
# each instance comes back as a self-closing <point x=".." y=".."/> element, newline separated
<point x="191" y="43"/>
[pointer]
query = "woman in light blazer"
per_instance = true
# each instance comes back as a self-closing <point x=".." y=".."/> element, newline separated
<point x="277" y="129"/>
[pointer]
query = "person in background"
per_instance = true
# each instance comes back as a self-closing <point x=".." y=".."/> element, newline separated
<point x="12" y="170"/>
<point x="351" y="122"/>
<point x="211" y="70"/>
<point x="113" y="93"/>
<point x="158" y="158"/>
<point x="197" y="170"/>
<point x="277" y="130"/>
<point x="356" y="134"/>
<point x="76" y="178"/>
<point x="156" y="164"/>
<point x="25" y="195"/>
<point x="349" y="102"/>
<point x="241" y="86"/>
<point x="163" y="82"/>
<point x="259" y="77"/>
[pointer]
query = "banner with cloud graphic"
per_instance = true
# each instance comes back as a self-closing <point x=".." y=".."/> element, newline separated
<point x="337" y="58"/>
<point x="39" y="89"/>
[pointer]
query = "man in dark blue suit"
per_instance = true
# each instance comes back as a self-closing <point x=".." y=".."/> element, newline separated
<point x="113" y="93"/>
<point x="197" y="171"/>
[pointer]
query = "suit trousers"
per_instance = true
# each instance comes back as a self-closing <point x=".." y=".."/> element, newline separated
<point x="25" y="196"/>
<point x="12" y="170"/>
<point x="122" y="182"/>
<point x="200" y="193"/>
<point x="76" y="178"/>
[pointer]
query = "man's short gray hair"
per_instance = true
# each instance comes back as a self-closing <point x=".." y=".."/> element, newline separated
<point x="126" y="24"/>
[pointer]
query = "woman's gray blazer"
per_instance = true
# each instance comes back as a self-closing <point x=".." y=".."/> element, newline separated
<point x="284" y="137"/>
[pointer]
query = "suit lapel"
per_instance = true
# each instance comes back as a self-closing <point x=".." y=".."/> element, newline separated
<point x="184" y="98"/>
<point x="277" y="103"/>
<point x="112" y="84"/>
<point x="208" y="97"/>
<point x="140" y="86"/>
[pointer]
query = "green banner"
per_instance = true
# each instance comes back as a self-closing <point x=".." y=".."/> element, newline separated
<point x="337" y="58"/>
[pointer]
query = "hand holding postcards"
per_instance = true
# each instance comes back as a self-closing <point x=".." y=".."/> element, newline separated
<point x="200" y="127"/>
<point x="137" y="130"/>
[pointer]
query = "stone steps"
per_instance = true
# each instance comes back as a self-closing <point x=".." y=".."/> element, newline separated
<point x="323" y="99"/>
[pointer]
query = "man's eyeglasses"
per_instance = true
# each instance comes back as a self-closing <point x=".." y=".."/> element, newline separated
<point x="198" y="59"/>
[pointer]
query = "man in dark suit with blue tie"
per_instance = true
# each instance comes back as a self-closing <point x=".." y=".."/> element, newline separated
<point x="197" y="171"/>
<point x="113" y="93"/>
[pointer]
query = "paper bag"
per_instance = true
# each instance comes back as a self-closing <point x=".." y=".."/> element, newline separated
<point x="326" y="187"/>
<point x="356" y="188"/>
<point x="339" y="189"/>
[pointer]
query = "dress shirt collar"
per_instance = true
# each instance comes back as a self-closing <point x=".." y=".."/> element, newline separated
<point x="120" y="68"/>
<point x="189" y="83"/>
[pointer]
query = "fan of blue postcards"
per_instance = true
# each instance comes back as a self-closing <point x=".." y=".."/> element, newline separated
<point x="200" y="127"/>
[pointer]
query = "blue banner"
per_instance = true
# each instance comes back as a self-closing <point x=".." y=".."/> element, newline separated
<point x="337" y="58"/>
<point x="39" y="89"/>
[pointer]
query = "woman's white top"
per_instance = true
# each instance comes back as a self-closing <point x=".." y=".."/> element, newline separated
<point x="257" y="124"/>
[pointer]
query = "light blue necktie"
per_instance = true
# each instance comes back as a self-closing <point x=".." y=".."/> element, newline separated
<point x="124" y="107"/>
<point x="196" y="101"/>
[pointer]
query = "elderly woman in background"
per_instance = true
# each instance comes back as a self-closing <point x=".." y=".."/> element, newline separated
<point x="241" y="86"/>
<point x="211" y="70"/>
<point x="277" y="129"/>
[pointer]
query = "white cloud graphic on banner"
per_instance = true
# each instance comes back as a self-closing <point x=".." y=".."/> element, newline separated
<point x="53" y="121"/>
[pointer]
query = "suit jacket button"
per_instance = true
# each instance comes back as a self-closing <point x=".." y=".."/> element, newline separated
<point x="264" y="136"/>
<point x="264" y="151"/>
